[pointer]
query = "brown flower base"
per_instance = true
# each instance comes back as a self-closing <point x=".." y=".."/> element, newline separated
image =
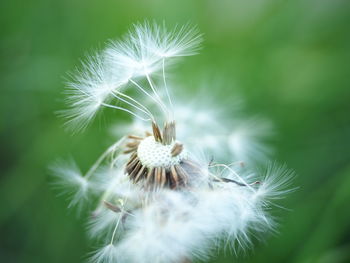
<point x="173" y="177"/>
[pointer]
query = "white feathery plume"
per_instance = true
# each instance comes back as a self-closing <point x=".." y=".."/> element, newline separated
<point x="142" y="52"/>
<point x="247" y="139"/>
<point x="159" y="193"/>
<point x="277" y="182"/>
<point x="107" y="254"/>
<point x="144" y="49"/>
<point x="169" y="231"/>
<point x="87" y="92"/>
<point x="102" y="223"/>
<point x="227" y="138"/>
<point x="71" y="181"/>
<point x="180" y="42"/>
<point x="113" y="186"/>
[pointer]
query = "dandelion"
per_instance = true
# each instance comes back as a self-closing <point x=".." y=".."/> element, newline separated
<point x="157" y="199"/>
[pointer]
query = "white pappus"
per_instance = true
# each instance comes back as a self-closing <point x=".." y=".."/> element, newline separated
<point x="157" y="198"/>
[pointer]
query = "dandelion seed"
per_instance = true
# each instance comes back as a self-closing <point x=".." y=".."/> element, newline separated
<point x="157" y="201"/>
<point x="102" y="223"/>
<point x="71" y="181"/>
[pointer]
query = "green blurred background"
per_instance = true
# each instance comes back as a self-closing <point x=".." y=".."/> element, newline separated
<point x="288" y="58"/>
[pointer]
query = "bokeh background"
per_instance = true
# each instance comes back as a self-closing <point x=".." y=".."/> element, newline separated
<point x="289" y="59"/>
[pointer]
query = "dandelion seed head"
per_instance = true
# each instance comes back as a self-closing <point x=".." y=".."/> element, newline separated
<point x="160" y="193"/>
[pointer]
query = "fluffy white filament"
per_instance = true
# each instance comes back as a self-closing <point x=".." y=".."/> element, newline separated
<point x="222" y="203"/>
<point x="105" y="77"/>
